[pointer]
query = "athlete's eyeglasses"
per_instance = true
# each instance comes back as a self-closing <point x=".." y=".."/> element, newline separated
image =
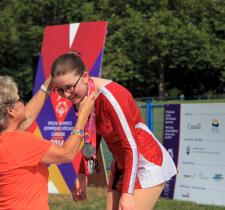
<point x="68" y="88"/>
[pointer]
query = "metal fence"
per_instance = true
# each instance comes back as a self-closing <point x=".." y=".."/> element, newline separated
<point x="154" y="117"/>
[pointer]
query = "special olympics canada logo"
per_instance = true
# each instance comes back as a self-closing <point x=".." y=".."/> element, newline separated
<point x="61" y="108"/>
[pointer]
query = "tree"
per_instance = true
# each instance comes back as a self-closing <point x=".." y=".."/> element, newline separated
<point x="151" y="46"/>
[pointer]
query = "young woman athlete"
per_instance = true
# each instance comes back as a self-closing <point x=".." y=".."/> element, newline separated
<point x="140" y="165"/>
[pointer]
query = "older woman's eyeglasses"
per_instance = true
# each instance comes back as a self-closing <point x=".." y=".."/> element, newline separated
<point x="19" y="100"/>
<point x="68" y="88"/>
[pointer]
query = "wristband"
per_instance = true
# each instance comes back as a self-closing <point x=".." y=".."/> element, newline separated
<point x="78" y="132"/>
<point x="45" y="90"/>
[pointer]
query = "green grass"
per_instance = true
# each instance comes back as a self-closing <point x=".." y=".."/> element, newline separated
<point x="97" y="201"/>
<point x="166" y="204"/>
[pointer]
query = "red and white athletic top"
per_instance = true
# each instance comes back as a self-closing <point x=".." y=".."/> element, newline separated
<point x="143" y="161"/>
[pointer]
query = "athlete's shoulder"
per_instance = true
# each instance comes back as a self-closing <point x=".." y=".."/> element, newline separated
<point x="115" y="89"/>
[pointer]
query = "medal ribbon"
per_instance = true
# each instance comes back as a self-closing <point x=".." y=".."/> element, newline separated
<point x="90" y="128"/>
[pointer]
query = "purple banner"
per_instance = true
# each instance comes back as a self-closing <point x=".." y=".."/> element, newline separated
<point x="171" y="136"/>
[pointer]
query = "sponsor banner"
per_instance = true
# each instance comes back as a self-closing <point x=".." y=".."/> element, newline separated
<point x="201" y="162"/>
<point x="171" y="141"/>
<point x="57" y="117"/>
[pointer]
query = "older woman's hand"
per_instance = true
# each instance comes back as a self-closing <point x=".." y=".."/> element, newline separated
<point x="86" y="106"/>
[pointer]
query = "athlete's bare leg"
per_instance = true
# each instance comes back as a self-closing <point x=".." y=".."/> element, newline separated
<point x="146" y="199"/>
<point x="113" y="198"/>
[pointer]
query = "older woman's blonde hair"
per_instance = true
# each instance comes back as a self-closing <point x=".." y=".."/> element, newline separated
<point x="8" y="94"/>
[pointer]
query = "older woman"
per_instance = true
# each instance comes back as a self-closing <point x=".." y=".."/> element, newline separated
<point x="23" y="156"/>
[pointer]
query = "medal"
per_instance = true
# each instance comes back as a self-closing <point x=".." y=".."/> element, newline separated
<point x="88" y="150"/>
<point x="93" y="166"/>
<point x="89" y="147"/>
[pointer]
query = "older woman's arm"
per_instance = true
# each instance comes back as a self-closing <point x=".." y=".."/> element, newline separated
<point x="34" y="106"/>
<point x="67" y="152"/>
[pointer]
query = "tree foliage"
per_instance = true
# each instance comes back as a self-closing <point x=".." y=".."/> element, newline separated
<point x="151" y="47"/>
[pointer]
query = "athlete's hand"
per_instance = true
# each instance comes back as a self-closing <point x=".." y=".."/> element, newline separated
<point x="80" y="188"/>
<point x="127" y="202"/>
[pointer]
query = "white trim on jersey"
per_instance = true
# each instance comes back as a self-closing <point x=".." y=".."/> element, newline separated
<point x="128" y="134"/>
<point x="150" y="174"/>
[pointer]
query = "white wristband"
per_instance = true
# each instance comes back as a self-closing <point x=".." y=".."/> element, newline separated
<point x="44" y="89"/>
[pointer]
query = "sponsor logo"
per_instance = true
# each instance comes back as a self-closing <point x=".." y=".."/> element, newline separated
<point x="194" y="126"/>
<point x="61" y="108"/>
<point x="188" y="162"/>
<point x="215" y="125"/>
<point x="198" y="188"/>
<point x="218" y="177"/>
<point x="189" y="176"/>
<point x="185" y="186"/>
<point x="202" y="176"/>
<point x="186" y="195"/>
<point x="188" y="150"/>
